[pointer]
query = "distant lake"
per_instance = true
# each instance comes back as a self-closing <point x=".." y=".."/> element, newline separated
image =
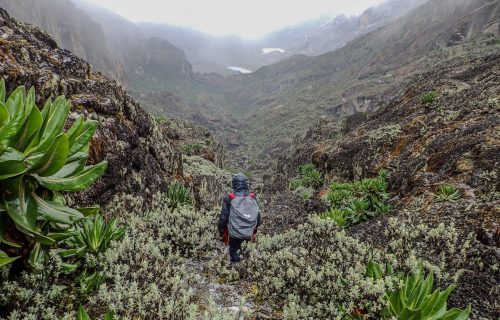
<point x="271" y="50"/>
<point x="242" y="70"/>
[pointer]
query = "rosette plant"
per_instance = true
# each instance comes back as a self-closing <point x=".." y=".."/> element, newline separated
<point x="39" y="161"/>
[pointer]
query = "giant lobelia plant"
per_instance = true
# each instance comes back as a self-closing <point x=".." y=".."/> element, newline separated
<point x="38" y="161"/>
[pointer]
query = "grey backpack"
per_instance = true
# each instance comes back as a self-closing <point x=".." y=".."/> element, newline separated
<point x="243" y="216"/>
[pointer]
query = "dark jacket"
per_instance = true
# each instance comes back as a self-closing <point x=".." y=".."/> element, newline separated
<point x="240" y="188"/>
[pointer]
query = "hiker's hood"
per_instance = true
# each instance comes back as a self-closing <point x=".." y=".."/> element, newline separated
<point x="240" y="183"/>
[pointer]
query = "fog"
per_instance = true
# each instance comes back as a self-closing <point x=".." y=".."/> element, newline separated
<point x="247" y="19"/>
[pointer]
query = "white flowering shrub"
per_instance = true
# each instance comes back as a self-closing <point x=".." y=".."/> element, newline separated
<point x="185" y="231"/>
<point x="146" y="272"/>
<point x="316" y="271"/>
<point x="437" y="246"/>
<point x="41" y="293"/>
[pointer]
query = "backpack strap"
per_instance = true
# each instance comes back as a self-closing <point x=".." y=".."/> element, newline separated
<point x="232" y="196"/>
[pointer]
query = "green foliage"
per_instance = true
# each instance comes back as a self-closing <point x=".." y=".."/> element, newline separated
<point x="339" y="216"/>
<point x="415" y="299"/>
<point x="428" y="98"/>
<point x="145" y="275"/>
<point x="309" y="177"/>
<point x="83" y="315"/>
<point x="446" y="192"/>
<point x="357" y="201"/>
<point x="95" y="235"/>
<point x="177" y="196"/>
<point x="90" y="283"/>
<point x="38" y="160"/>
<point x="191" y="149"/>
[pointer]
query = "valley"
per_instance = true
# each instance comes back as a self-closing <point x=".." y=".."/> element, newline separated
<point x="372" y="143"/>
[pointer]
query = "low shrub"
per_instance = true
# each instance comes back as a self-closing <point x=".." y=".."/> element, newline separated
<point x="309" y="177"/>
<point x="447" y="192"/>
<point x="354" y="202"/>
<point x="147" y="272"/>
<point x="40" y="293"/>
<point x="177" y="196"/>
<point x="428" y="98"/>
<point x="385" y="135"/>
<point x="316" y="271"/>
<point x="190" y="149"/>
<point x="144" y="275"/>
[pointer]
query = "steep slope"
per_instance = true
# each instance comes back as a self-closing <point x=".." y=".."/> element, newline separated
<point x="143" y="153"/>
<point x="453" y="140"/>
<point x="150" y="62"/>
<point x="325" y="35"/>
<point x="72" y="29"/>
<point x="297" y="91"/>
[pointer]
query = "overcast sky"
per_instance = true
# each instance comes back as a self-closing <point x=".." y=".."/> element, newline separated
<point x="246" y="18"/>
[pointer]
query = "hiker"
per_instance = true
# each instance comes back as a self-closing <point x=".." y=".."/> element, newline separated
<point x="239" y="217"/>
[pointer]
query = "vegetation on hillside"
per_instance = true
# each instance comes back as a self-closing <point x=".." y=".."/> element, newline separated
<point x="354" y="202"/>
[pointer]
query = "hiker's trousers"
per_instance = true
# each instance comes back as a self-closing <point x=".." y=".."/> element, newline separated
<point x="234" y="247"/>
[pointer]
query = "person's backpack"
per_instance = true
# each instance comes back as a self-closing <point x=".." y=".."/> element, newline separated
<point x="243" y="216"/>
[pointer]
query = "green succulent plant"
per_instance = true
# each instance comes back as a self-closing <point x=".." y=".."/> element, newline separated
<point x="446" y="192"/>
<point x="38" y="161"/>
<point x="429" y="97"/>
<point x="178" y="195"/>
<point x="361" y="199"/>
<point x="83" y="315"/>
<point x="417" y="300"/>
<point x="90" y="283"/>
<point x="339" y="216"/>
<point x="308" y="177"/>
<point x="95" y="235"/>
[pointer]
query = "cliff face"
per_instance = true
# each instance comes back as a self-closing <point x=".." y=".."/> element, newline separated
<point x="142" y="158"/>
<point x="72" y="29"/>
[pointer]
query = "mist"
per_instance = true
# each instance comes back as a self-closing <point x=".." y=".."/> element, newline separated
<point x="247" y="19"/>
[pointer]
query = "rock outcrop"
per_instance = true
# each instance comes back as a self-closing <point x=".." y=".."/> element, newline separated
<point x="142" y="153"/>
<point x="72" y="29"/>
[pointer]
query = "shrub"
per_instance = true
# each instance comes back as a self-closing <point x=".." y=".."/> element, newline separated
<point x="38" y="161"/>
<point x="446" y="192"/>
<point x="339" y="216"/>
<point x="40" y="293"/>
<point x="386" y="134"/>
<point x="358" y="201"/>
<point x="190" y="149"/>
<point x="177" y="196"/>
<point x="428" y="97"/>
<point x="309" y="177"/>
<point x="305" y="193"/>
<point x="315" y="271"/>
<point x="144" y="275"/>
<point x="147" y="274"/>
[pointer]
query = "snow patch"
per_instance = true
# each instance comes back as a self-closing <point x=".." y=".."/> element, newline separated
<point x="271" y="50"/>
<point x="241" y="70"/>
